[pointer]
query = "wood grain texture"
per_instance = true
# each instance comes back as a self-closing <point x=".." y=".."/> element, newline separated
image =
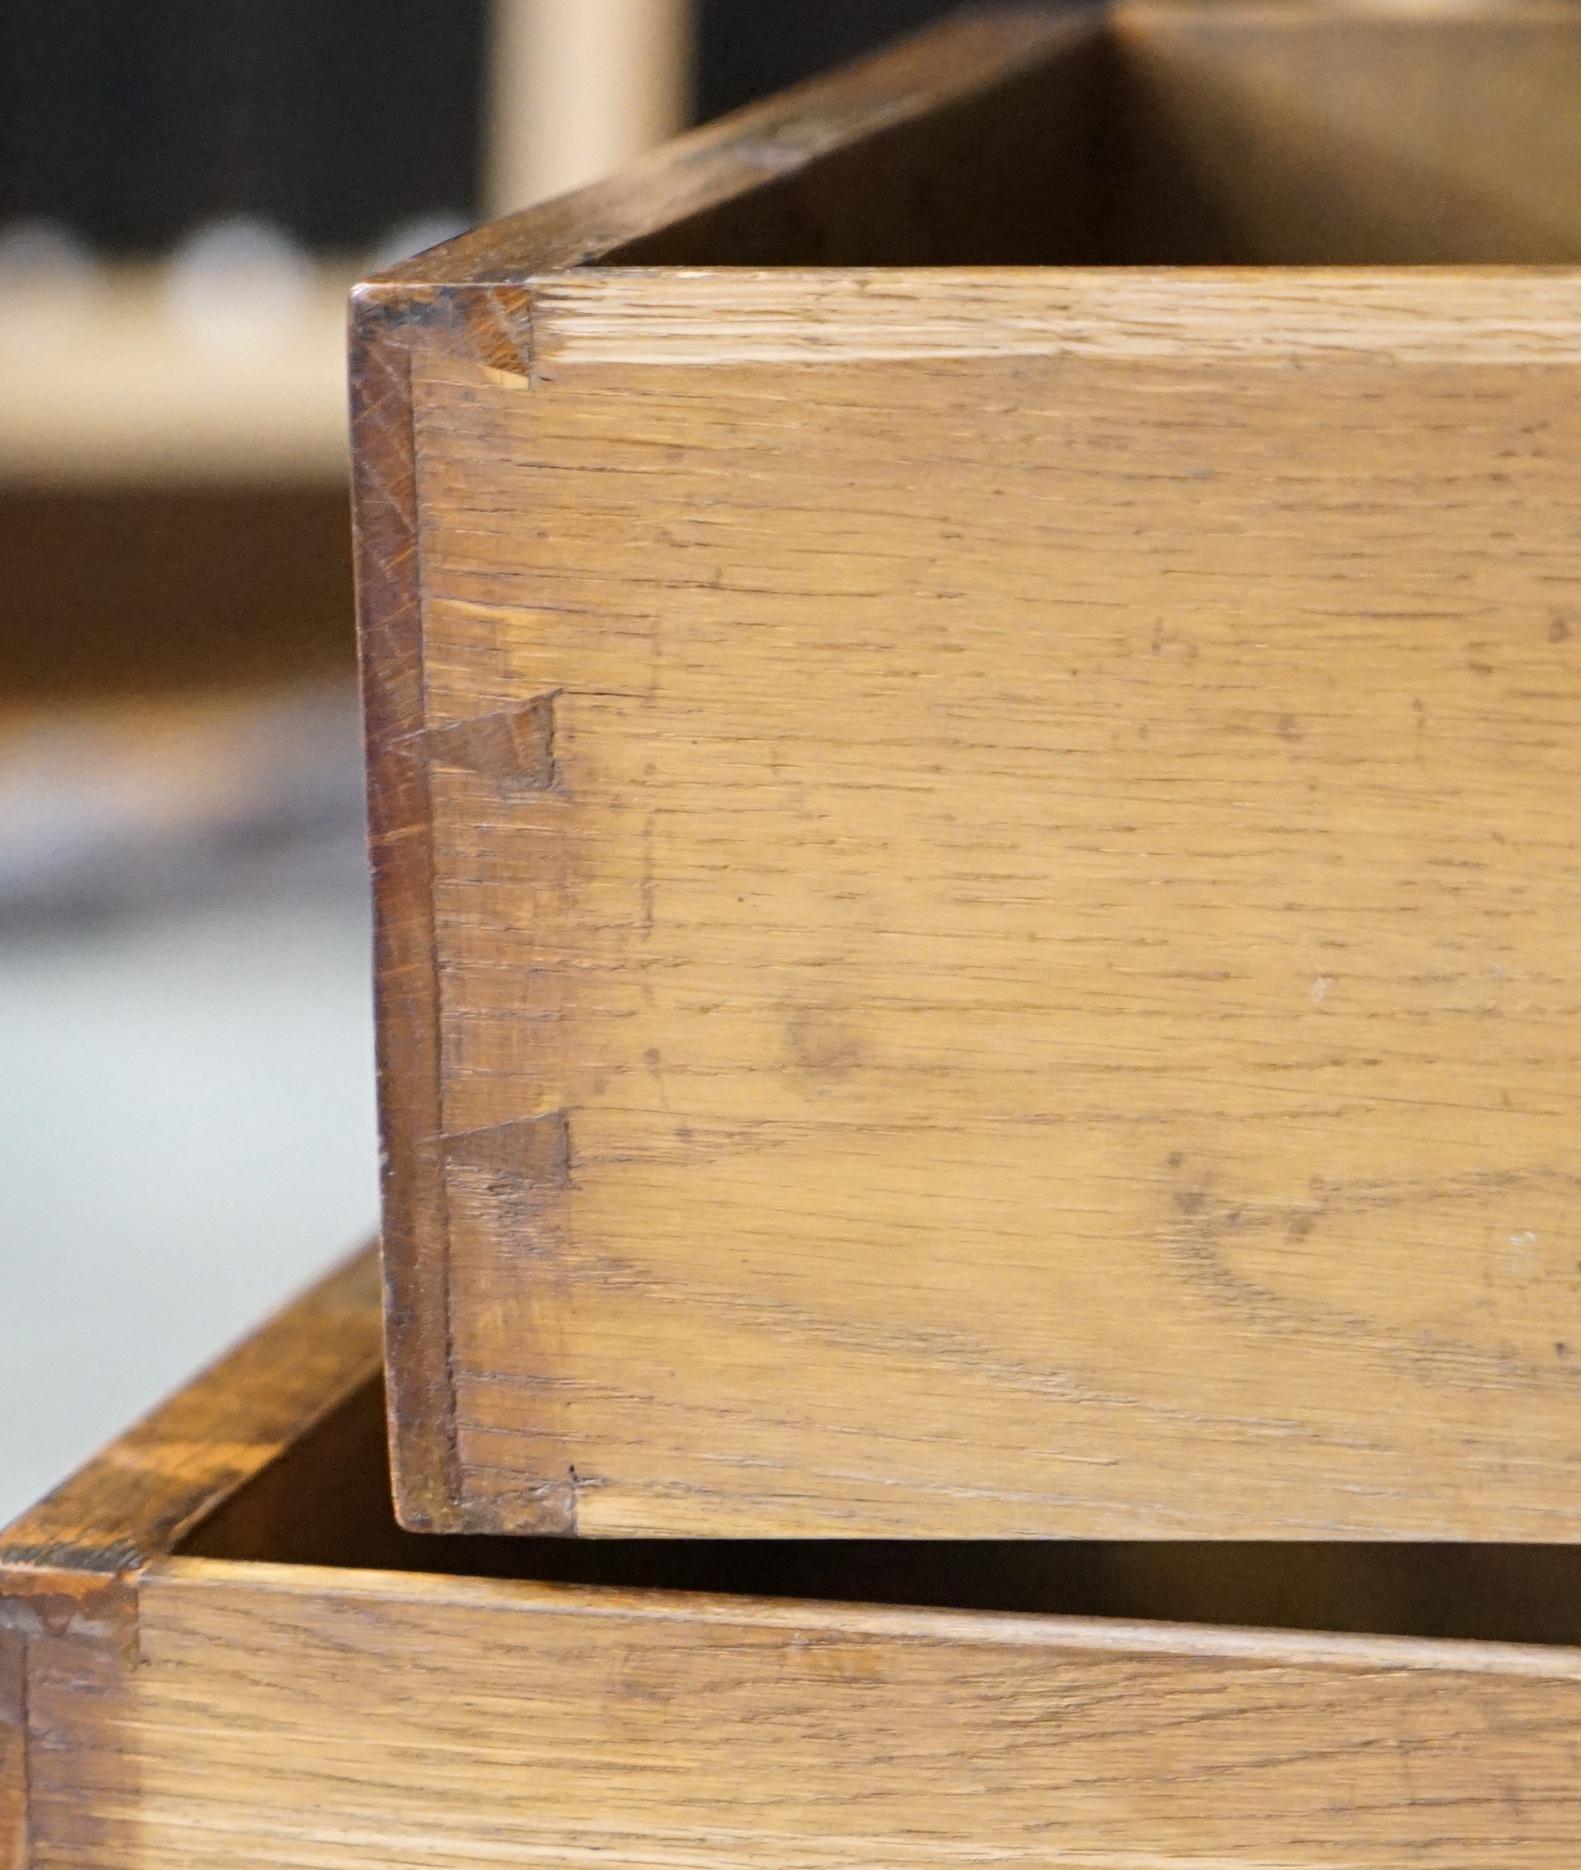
<point x="989" y="857"/>
<point x="1034" y="979"/>
<point x="362" y="1721"/>
<point x="215" y="1696"/>
<point x="390" y="639"/>
<point x="790" y="169"/>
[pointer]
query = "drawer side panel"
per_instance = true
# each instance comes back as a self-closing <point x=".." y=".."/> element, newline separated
<point x="372" y="1722"/>
<point x="1005" y="879"/>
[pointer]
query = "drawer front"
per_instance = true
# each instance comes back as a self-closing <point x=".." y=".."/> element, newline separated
<point x="367" y="1722"/>
<point x="1001" y="876"/>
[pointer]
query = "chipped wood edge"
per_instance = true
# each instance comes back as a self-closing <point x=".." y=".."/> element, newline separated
<point x="71" y="1568"/>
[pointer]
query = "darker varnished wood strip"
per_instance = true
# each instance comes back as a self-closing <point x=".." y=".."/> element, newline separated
<point x="400" y="831"/>
<point x="14" y="1849"/>
<point x="512" y="751"/>
<point x="403" y="741"/>
<point x="723" y="1166"/>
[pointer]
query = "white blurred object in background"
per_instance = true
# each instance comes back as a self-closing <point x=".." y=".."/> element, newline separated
<point x="237" y="282"/>
<point x="576" y="88"/>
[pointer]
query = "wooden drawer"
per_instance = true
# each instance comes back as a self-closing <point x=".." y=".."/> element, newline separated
<point x="217" y="1649"/>
<point x="978" y="864"/>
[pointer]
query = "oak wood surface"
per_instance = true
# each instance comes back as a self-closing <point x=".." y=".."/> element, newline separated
<point x="976" y="866"/>
<point x="342" y="1720"/>
<point x="767" y="166"/>
<point x="183" y="1685"/>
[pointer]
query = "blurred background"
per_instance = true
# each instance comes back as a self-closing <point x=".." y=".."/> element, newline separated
<point x="185" y="194"/>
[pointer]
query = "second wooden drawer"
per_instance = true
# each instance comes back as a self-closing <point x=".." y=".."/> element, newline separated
<point x="216" y="1649"/>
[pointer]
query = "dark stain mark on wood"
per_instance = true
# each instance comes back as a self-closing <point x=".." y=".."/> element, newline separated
<point x="821" y="1045"/>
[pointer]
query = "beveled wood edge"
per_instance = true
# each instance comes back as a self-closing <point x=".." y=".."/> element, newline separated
<point x="896" y="1623"/>
<point x="400" y="856"/>
<point x="791" y="131"/>
<point x="135" y="1500"/>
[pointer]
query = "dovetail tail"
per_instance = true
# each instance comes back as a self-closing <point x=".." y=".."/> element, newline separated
<point x="513" y="746"/>
<point x="13" y="1674"/>
<point x="538" y="1149"/>
<point x="497" y="322"/>
<point x="15" y="1825"/>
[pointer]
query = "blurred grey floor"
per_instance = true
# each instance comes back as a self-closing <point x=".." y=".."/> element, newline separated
<point x="186" y="1132"/>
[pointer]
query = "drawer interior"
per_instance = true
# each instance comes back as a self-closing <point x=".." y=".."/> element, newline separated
<point x="1191" y="134"/>
<point x="326" y="1501"/>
